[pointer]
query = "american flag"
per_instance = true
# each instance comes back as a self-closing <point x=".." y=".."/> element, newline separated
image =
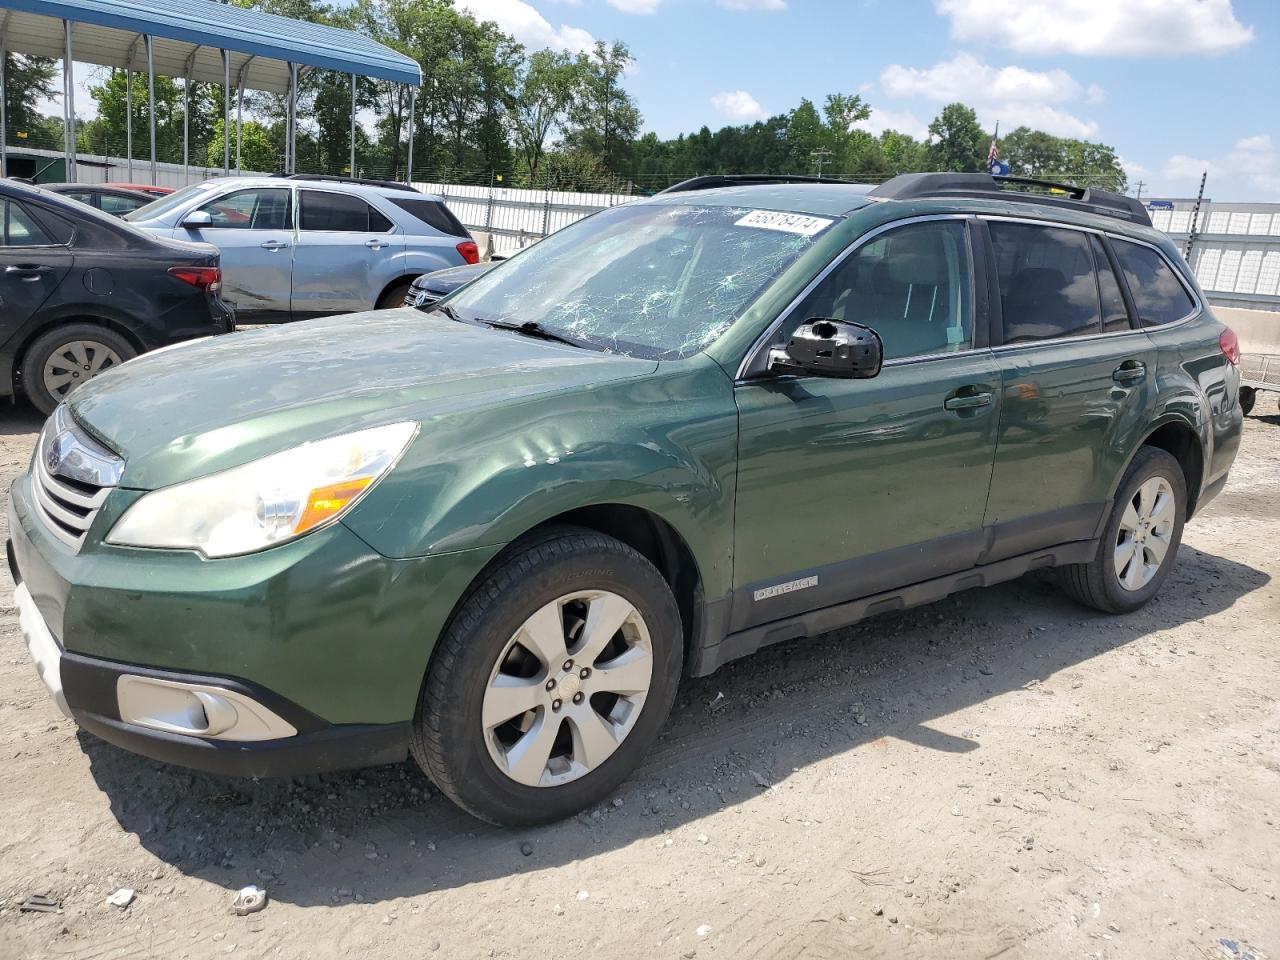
<point x="994" y="153"/>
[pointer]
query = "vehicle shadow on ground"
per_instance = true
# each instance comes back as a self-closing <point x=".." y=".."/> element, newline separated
<point x="385" y="833"/>
<point x="20" y="418"/>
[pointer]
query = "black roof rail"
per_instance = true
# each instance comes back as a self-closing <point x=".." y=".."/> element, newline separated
<point x="913" y="186"/>
<point x="333" y="178"/>
<point x="714" y="180"/>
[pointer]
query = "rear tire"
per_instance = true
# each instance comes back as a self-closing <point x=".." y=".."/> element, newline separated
<point x="58" y="361"/>
<point x="1140" y="542"/>
<point x="552" y="680"/>
<point x="394" y="296"/>
<point x="1248" y="397"/>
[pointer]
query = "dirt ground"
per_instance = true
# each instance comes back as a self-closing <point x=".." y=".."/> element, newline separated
<point x="1001" y="774"/>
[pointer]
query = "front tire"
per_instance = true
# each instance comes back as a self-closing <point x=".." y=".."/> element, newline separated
<point x="65" y="357"/>
<point x="551" y="681"/>
<point x="1140" y="542"/>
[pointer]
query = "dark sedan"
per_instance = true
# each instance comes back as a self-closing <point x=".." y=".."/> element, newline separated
<point x="429" y="288"/>
<point x="114" y="200"/>
<point x="81" y="291"/>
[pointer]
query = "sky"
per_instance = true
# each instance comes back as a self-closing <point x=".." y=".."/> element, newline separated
<point x="1176" y="86"/>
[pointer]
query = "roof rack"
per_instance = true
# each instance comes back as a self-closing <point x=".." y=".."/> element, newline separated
<point x="913" y="186"/>
<point x="714" y="180"/>
<point x="327" y="178"/>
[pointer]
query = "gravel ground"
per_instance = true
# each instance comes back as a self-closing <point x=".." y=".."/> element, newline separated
<point x="1000" y="774"/>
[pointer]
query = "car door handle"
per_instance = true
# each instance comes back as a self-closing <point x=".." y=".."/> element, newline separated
<point x="967" y="401"/>
<point x="376" y="244"/>
<point x="273" y="244"/>
<point x="1131" y="371"/>
<point x="27" y="271"/>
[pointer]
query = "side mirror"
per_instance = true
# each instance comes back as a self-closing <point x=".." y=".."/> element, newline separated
<point x="830" y="348"/>
<point x="197" y="218"/>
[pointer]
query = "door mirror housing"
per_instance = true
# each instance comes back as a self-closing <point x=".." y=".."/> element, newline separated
<point x="830" y="348"/>
<point x="197" y="218"/>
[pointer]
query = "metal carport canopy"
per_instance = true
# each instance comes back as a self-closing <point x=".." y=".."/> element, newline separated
<point x="189" y="36"/>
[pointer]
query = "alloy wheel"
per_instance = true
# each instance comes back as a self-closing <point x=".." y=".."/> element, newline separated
<point x="1146" y="531"/>
<point x="567" y="688"/>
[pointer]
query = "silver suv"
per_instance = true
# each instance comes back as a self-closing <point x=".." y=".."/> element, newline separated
<point x="305" y="246"/>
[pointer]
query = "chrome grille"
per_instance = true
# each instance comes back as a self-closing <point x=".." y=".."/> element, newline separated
<point x="71" y="475"/>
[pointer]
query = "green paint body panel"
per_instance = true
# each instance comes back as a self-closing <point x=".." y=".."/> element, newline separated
<point x="762" y="481"/>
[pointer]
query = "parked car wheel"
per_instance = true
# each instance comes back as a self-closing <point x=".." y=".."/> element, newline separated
<point x="1140" y="542"/>
<point x="394" y="296"/>
<point x="552" y="680"/>
<point x="65" y="357"/>
<point x="1248" y="396"/>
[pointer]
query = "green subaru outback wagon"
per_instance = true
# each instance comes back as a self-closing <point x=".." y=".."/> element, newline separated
<point x="497" y="535"/>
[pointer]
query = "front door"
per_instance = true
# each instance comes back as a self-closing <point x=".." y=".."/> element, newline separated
<point x="847" y="488"/>
<point x="253" y="230"/>
<point x="345" y="256"/>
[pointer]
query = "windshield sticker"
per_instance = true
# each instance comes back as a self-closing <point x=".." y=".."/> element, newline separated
<point x="785" y="222"/>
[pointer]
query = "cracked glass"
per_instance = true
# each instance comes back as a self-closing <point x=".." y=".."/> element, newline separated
<point x="656" y="281"/>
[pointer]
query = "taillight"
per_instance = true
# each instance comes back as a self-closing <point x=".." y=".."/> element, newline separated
<point x="470" y="252"/>
<point x="202" y="277"/>
<point x="1230" y="346"/>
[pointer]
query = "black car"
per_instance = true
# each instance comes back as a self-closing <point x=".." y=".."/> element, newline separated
<point x="429" y="288"/>
<point x="81" y="291"/>
<point x="116" y="201"/>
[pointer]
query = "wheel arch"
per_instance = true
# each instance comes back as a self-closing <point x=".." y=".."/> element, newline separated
<point x="1181" y="441"/>
<point x="404" y="278"/>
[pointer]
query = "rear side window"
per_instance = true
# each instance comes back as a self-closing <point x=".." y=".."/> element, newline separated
<point x="111" y="203"/>
<point x="434" y="214"/>
<point x="1157" y="294"/>
<point x="1115" y="315"/>
<point x="20" y="230"/>
<point x="340" y="212"/>
<point x="1048" y="288"/>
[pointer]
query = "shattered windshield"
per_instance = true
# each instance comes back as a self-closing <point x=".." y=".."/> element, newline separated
<point x="648" y="280"/>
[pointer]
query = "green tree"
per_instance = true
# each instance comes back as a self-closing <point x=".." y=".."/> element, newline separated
<point x="257" y="150"/>
<point x="959" y="143"/>
<point x="545" y="86"/>
<point x="107" y="132"/>
<point x="27" y="81"/>
<point x="1034" y="153"/>
<point x="604" y="119"/>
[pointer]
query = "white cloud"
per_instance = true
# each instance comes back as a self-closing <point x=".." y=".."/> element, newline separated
<point x="901" y="121"/>
<point x="1100" y="27"/>
<point x="635" y="6"/>
<point x="738" y="106"/>
<point x="528" y="26"/>
<point x="1250" y="170"/>
<point x="1182" y="167"/>
<point x="1012" y="95"/>
<point x="752" y="4"/>
<point x="1258" y="161"/>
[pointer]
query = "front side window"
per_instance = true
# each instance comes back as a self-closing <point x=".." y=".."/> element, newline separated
<point x="338" y="212"/>
<point x="911" y="285"/>
<point x="1048" y="288"/>
<point x="653" y="280"/>
<point x="1157" y="295"/>
<point x="264" y="208"/>
<point x="20" y="230"/>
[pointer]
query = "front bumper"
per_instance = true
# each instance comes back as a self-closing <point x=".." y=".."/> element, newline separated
<point x="323" y="634"/>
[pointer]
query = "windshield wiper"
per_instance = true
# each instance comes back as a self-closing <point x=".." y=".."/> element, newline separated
<point x="531" y="328"/>
<point x="448" y="311"/>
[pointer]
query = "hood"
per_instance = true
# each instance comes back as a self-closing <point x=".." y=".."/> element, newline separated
<point x="190" y="410"/>
<point x="451" y="278"/>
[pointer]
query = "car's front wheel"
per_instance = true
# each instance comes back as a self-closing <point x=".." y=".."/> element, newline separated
<point x="1141" y="538"/>
<point x="552" y="680"/>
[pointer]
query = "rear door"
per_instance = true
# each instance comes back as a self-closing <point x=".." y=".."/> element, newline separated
<point x="32" y="264"/>
<point x="253" y="229"/>
<point x="1078" y="380"/>
<point x="346" y="253"/>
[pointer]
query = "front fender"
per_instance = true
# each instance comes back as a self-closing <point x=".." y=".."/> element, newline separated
<point x="665" y="443"/>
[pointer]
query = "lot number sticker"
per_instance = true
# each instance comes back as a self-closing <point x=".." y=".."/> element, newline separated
<point x="785" y="222"/>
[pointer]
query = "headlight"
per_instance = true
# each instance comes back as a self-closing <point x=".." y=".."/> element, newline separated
<point x="268" y="501"/>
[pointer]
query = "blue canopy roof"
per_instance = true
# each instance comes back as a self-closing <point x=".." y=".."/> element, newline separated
<point x="189" y="35"/>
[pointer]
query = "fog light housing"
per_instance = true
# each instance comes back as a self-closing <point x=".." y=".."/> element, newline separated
<point x="197" y="710"/>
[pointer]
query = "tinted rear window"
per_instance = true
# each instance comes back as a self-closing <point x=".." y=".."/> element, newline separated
<point x="434" y="214"/>
<point x="1047" y="284"/>
<point x="323" y="210"/>
<point x="1157" y="294"/>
